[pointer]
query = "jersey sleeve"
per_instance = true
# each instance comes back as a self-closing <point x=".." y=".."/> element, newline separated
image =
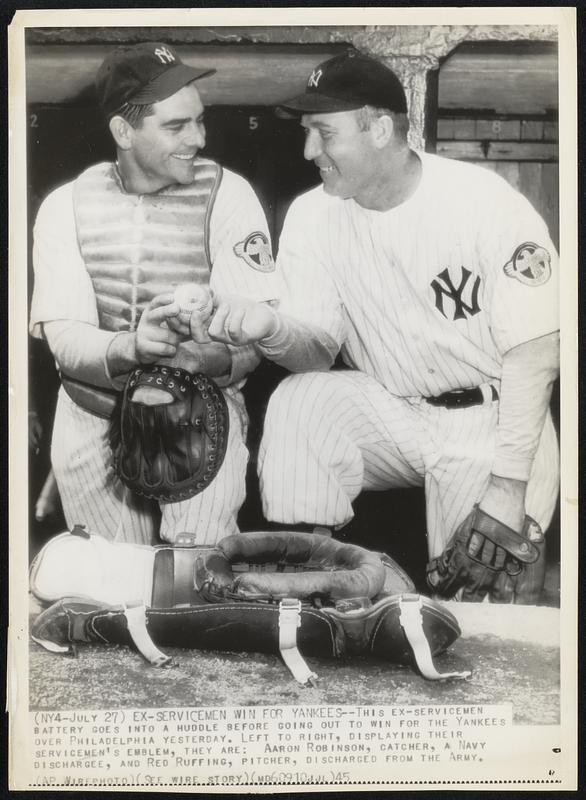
<point x="309" y="292"/>
<point x="521" y="266"/>
<point x="62" y="286"/>
<point x="240" y="244"/>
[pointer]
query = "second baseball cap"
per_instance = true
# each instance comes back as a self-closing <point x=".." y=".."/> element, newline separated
<point x="142" y="73"/>
<point x="346" y="82"/>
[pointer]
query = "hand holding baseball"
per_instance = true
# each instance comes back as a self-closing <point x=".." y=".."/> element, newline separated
<point x="238" y="320"/>
<point x="154" y="338"/>
<point x="195" y="308"/>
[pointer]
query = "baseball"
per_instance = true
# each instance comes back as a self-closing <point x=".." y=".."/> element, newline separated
<point x="193" y="298"/>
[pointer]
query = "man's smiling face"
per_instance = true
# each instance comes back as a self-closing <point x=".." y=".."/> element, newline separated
<point x="165" y="144"/>
<point x="343" y="152"/>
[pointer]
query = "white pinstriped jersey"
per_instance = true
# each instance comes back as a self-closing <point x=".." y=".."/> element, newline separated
<point x="426" y="297"/>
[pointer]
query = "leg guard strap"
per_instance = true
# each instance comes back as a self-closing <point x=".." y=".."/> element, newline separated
<point x="411" y="620"/>
<point x="289" y="621"/>
<point x="136" y="622"/>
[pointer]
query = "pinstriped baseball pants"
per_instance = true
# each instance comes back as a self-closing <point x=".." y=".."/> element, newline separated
<point x="329" y="435"/>
<point x="92" y="494"/>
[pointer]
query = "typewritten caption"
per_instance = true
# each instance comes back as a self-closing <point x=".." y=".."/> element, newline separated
<point x="252" y="746"/>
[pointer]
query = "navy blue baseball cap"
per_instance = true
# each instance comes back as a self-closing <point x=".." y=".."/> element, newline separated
<point x="346" y="82"/>
<point x="142" y="74"/>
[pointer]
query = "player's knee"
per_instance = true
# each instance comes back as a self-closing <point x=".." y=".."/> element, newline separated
<point x="295" y="405"/>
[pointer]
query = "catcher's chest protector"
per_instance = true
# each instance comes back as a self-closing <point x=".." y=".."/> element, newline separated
<point x="344" y="601"/>
<point x="135" y="247"/>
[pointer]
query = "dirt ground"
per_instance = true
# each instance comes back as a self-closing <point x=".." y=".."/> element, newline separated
<point x="513" y="652"/>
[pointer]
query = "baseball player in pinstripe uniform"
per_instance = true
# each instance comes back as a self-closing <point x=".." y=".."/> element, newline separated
<point x="437" y="282"/>
<point x="109" y="249"/>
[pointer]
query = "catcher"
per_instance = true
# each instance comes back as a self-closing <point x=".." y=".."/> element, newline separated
<point x="294" y="593"/>
<point x="121" y="255"/>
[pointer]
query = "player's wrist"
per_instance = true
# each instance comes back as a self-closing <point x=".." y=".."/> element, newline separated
<point x="122" y="354"/>
<point x="508" y="489"/>
<point x="504" y="499"/>
<point x="216" y="360"/>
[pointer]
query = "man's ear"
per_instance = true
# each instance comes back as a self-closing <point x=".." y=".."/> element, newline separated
<point x="382" y="130"/>
<point x="121" y="131"/>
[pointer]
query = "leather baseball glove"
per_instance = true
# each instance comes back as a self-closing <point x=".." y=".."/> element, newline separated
<point x="171" y="451"/>
<point x="485" y="557"/>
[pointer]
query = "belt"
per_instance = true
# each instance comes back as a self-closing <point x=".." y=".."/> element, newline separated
<point x="461" y="398"/>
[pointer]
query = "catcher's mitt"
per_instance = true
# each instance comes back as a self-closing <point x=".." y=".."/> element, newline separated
<point x="485" y="556"/>
<point x="171" y="451"/>
<point x="237" y="596"/>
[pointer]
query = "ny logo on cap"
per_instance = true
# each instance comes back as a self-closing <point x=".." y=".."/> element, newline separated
<point x="164" y="55"/>
<point x="314" y="78"/>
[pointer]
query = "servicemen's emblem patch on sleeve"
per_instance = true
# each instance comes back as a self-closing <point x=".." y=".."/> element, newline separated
<point x="256" y="251"/>
<point x="530" y="264"/>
